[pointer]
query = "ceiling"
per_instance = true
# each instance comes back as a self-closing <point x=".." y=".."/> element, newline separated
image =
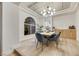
<point x="38" y="6"/>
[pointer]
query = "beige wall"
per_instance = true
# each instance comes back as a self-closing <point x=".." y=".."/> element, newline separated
<point x="23" y="14"/>
<point x="64" y="21"/>
<point x="10" y="27"/>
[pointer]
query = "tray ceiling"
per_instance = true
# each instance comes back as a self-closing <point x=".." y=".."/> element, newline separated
<point x="38" y="6"/>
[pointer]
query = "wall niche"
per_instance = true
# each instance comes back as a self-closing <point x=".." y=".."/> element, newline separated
<point x="29" y="26"/>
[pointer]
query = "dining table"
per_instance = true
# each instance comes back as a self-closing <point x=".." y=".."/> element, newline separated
<point x="47" y="33"/>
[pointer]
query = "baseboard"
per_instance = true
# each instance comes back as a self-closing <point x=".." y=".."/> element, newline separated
<point x="6" y="53"/>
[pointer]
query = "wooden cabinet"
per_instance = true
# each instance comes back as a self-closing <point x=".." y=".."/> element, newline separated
<point x="67" y="33"/>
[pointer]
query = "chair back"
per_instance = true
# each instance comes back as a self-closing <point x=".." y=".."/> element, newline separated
<point x="58" y="35"/>
<point x="55" y="37"/>
<point x="39" y="37"/>
<point x="52" y="35"/>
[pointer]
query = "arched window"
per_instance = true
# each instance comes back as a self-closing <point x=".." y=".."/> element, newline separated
<point x="29" y="26"/>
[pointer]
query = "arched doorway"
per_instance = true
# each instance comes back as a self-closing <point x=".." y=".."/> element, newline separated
<point x="29" y="26"/>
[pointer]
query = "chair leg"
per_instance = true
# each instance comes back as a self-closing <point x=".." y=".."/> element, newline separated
<point x="57" y="44"/>
<point x="36" y="44"/>
<point x="47" y="43"/>
<point x="42" y="46"/>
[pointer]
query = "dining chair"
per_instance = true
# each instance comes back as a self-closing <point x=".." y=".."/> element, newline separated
<point x="55" y="38"/>
<point x="41" y="39"/>
<point x="52" y="35"/>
